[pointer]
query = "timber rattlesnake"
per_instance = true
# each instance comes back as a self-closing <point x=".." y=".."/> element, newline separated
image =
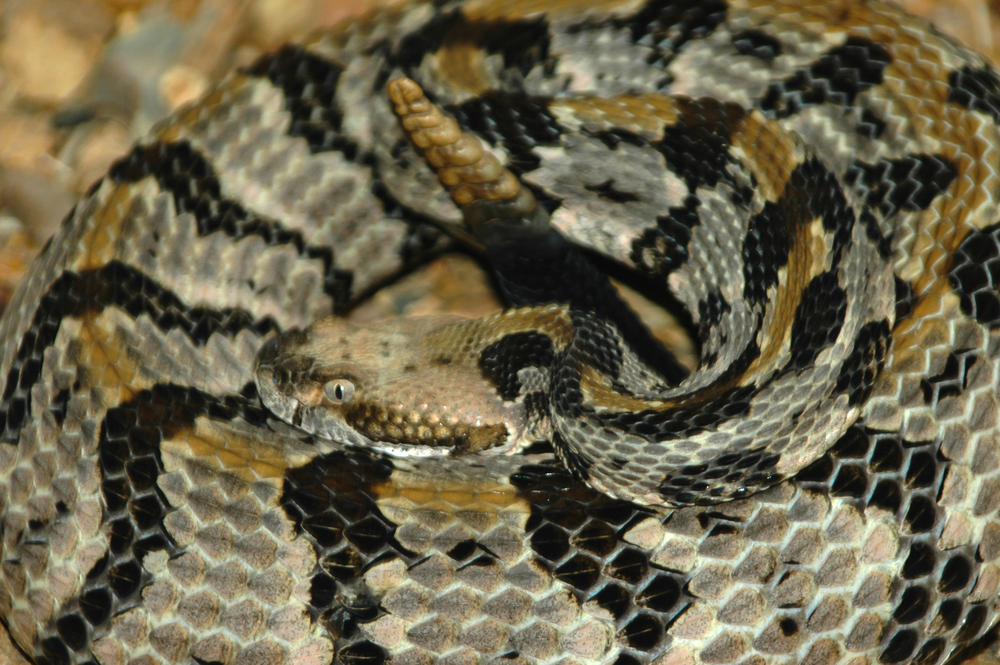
<point x="154" y="512"/>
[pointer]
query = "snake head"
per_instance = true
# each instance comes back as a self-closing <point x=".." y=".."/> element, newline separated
<point x="388" y="386"/>
<point x="284" y="369"/>
<point x="304" y="391"/>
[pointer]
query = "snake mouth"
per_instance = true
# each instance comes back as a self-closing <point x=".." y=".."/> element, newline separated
<point x="297" y="396"/>
<point x="302" y="402"/>
<point x="396" y="424"/>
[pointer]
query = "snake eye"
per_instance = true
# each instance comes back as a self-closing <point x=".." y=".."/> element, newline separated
<point x="339" y="391"/>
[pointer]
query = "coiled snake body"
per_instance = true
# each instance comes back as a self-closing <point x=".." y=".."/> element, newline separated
<point x="815" y="181"/>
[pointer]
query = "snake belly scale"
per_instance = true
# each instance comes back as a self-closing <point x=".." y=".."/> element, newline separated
<point x="154" y="511"/>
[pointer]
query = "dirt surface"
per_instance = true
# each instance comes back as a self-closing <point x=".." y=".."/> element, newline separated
<point x="81" y="80"/>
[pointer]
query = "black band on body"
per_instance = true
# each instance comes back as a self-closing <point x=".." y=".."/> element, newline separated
<point x="549" y="269"/>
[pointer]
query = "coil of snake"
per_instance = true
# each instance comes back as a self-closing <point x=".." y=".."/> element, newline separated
<point x="815" y="181"/>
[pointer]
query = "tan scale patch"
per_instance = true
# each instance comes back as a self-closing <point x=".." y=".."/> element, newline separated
<point x="807" y="258"/>
<point x="463" y="65"/>
<point x="109" y="367"/>
<point x="217" y="447"/>
<point x="106" y="364"/>
<point x="552" y="321"/>
<point x="105" y="229"/>
<point x="407" y="493"/>
<point x="768" y="151"/>
<point x="645" y="114"/>
<point x="598" y="394"/>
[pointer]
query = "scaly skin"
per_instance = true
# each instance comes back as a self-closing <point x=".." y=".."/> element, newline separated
<point x="154" y="512"/>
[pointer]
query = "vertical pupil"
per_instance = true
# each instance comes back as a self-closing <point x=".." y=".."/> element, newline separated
<point x="339" y="391"/>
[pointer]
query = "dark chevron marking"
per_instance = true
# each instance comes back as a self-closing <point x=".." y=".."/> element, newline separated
<point x="607" y="191"/>
<point x="662" y="249"/>
<point x="950" y="381"/>
<point x="818" y="320"/>
<point x="975" y="275"/>
<point x="757" y="44"/>
<point x="976" y="89"/>
<point x="908" y="183"/>
<point x="88" y="294"/>
<point x="861" y="368"/>
<point x="183" y="172"/>
<point x="670" y="24"/>
<point x="501" y="361"/>
<point x="522" y="44"/>
<point x="134" y="504"/>
<point x="310" y="87"/>
<point x="871" y="126"/>
<point x="699" y="145"/>
<point x="838" y="77"/>
<point x="518" y="123"/>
